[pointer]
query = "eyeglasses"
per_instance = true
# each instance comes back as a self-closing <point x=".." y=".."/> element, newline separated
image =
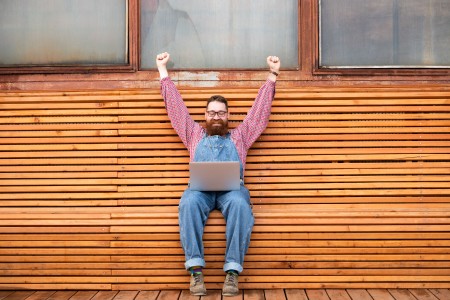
<point x="212" y="113"/>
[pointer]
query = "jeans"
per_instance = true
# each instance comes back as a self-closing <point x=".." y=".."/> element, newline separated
<point x="194" y="210"/>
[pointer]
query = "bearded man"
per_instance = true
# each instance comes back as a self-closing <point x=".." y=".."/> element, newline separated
<point x="217" y="143"/>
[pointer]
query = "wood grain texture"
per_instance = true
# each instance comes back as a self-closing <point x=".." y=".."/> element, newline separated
<point x="350" y="189"/>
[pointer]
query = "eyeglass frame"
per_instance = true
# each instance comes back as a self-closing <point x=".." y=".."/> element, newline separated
<point x="220" y="113"/>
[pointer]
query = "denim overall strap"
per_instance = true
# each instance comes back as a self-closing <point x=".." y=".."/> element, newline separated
<point x="217" y="148"/>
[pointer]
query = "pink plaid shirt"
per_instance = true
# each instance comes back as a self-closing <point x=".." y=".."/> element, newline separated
<point x="243" y="136"/>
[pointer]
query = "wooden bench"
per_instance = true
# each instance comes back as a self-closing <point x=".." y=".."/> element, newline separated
<point x="350" y="187"/>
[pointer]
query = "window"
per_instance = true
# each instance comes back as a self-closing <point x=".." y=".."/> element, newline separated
<point x="384" y="34"/>
<point x="218" y="34"/>
<point x="63" y="33"/>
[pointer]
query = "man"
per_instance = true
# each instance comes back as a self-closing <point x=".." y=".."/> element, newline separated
<point x="217" y="143"/>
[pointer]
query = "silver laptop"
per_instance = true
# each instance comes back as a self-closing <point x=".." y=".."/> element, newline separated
<point x="214" y="176"/>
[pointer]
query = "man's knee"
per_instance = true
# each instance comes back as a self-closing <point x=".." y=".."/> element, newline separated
<point x="193" y="202"/>
<point x="238" y="206"/>
<point x="239" y="199"/>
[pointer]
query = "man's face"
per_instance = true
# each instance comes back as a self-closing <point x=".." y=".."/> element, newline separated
<point x="216" y="117"/>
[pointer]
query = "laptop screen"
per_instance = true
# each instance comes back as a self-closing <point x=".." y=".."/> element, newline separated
<point x="214" y="176"/>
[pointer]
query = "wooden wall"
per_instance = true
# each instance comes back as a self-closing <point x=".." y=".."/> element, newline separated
<point x="350" y="188"/>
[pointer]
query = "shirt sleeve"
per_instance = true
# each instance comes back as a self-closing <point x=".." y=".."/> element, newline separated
<point x="178" y="113"/>
<point x="258" y="116"/>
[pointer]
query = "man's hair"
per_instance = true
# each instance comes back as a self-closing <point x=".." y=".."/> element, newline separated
<point x="217" y="98"/>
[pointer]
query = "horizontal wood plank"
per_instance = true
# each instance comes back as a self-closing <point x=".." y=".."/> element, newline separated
<point x="350" y="189"/>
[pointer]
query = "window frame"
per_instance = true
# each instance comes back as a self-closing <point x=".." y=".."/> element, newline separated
<point x="362" y="71"/>
<point x="131" y="66"/>
<point x="308" y="62"/>
<point x="226" y="72"/>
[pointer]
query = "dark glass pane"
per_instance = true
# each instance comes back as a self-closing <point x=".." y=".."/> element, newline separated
<point x="385" y="33"/>
<point x="63" y="32"/>
<point x="218" y="34"/>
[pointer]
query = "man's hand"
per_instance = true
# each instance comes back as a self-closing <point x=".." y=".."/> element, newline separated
<point x="274" y="63"/>
<point x="162" y="59"/>
<point x="274" y="66"/>
<point x="161" y="64"/>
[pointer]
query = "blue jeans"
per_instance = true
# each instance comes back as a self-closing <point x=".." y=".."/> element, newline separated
<point x="194" y="210"/>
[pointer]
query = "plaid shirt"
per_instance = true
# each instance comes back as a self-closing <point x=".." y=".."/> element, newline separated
<point x="192" y="132"/>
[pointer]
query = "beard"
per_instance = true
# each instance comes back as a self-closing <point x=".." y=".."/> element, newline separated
<point x="213" y="128"/>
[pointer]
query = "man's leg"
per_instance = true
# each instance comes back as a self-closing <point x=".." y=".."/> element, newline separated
<point x="193" y="212"/>
<point x="236" y="208"/>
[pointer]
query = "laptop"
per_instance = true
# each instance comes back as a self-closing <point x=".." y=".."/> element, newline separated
<point x="214" y="176"/>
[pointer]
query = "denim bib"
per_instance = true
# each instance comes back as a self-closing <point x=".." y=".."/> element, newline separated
<point x="217" y="148"/>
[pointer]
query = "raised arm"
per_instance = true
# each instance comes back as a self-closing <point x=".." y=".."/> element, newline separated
<point x="258" y="116"/>
<point x="177" y="111"/>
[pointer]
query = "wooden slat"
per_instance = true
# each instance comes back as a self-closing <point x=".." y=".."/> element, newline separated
<point x="349" y="186"/>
